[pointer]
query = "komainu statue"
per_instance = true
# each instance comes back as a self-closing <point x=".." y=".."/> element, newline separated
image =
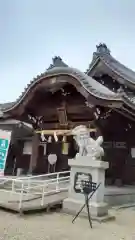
<point x="87" y="145"/>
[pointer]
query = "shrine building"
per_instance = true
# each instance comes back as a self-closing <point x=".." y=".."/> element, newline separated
<point x="62" y="97"/>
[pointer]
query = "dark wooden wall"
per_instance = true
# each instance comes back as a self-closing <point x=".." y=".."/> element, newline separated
<point x="118" y="132"/>
<point x="16" y="159"/>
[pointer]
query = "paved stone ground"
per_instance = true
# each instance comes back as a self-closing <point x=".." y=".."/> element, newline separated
<point x="58" y="226"/>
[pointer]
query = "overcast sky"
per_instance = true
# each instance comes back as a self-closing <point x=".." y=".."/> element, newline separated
<point x="33" y="31"/>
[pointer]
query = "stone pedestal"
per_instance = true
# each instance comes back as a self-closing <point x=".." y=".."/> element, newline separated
<point x="74" y="202"/>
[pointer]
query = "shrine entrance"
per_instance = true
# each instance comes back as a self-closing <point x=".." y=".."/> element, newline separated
<point x="58" y="113"/>
<point x="54" y="103"/>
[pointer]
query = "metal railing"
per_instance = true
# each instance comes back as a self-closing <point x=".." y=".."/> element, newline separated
<point x="38" y="186"/>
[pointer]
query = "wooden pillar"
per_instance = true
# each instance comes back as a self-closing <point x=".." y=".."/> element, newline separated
<point x="18" y="154"/>
<point x="34" y="155"/>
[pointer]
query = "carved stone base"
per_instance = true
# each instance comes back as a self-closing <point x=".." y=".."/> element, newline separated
<point x="75" y="200"/>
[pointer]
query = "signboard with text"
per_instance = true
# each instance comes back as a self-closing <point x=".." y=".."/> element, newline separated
<point x="5" y="138"/>
<point x="79" y="177"/>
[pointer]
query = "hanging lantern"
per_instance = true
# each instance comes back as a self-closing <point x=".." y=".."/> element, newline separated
<point x="52" y="159"/>
<point x="65" y="146"/>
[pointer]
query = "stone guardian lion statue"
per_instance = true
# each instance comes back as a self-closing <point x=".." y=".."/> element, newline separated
<point x="87" y="145"/>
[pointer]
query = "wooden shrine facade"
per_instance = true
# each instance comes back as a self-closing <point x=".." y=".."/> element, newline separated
<point x="63" y="97"/>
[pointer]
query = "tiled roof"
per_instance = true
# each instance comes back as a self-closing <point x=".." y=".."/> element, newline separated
<point x="6" y="105"/>
<point x="132" y="99"/>
<point x="103" y="53"/>
<point x="91" y="85"/>
<point x="59" y="67"/>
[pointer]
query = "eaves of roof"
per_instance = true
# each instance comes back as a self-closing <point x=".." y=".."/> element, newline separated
<point x="88" y="83"/>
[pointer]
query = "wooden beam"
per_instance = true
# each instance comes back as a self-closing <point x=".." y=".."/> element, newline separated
<point x="60" y="131"/>
<point x="125" y="115"/>
<point x="74" y="109"/>
<point x="71" y="124"/>
<point x="127" y="110"/>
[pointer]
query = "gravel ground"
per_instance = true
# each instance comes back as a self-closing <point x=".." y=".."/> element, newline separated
<point x="58" y="226"/>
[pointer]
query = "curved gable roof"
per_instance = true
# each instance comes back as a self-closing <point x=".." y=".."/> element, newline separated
<point x="89" y="84"/>
<point x="103" y="54"/>
<point x="58" y="67"/>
